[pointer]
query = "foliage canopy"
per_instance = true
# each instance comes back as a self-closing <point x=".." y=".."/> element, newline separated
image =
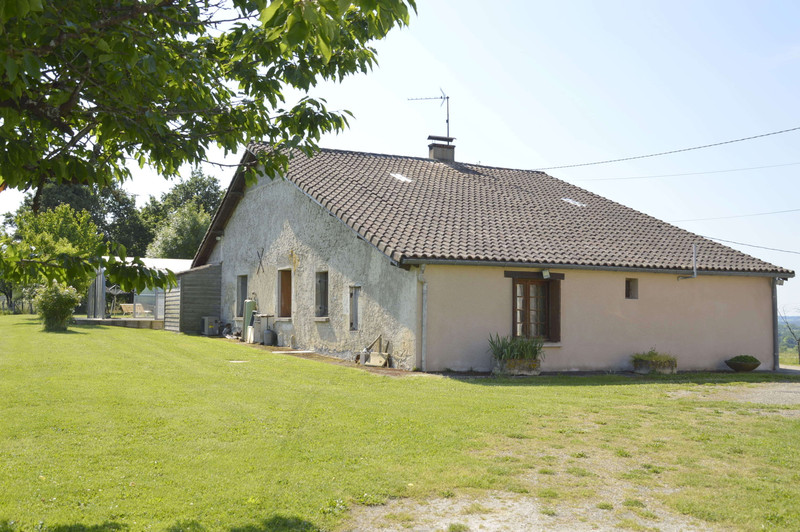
<point x="87" y="85"/>
<point x="181" y="235"/>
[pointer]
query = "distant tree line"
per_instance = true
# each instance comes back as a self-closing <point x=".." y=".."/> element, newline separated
<point x="76" y="219"/>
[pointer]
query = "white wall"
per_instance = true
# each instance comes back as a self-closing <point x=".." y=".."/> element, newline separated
<point x="701" y="321"/>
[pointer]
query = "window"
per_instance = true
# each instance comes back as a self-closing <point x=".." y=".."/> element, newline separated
<point x="321" y="296"/>
<point x="536" y="305"/>
<point x="241" y="294"/>
<point x="285" y="293"/>
<point x="631" y="288"/>
<point x="355" y="292"/>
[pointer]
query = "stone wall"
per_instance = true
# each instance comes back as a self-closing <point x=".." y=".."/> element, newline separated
<point x="290" y="231"/>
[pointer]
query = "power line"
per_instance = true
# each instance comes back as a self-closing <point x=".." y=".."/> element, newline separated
<point x="734" y="216"/>
<point x="690" y="173"/>
<point x="751" y="245"/>
<point x="672" y="151"/>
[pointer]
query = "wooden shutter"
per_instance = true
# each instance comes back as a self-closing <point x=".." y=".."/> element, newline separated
<point x="554" y="311"/>
<point x="286" y="293"/>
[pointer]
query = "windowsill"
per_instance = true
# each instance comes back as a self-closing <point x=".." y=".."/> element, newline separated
<point x="551" y="344"/>
<point x="284" y="318"/>
<point x="322" y="319"/>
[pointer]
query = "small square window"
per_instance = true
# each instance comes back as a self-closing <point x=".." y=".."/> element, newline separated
<point x="631" y="288"/>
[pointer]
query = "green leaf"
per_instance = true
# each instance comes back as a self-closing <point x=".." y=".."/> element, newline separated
<point x="11" y="68"/>
<point x="269" y="12"/>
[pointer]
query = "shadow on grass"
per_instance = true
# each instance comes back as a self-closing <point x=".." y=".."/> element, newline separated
<point x="275" y="523"/>
<point x="26" y="321"/>
<point x="723" y="377"/>
<point x="68" y="331"/>
<point x="7" y="525"/>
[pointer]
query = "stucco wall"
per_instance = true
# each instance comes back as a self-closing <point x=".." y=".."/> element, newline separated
<point x="294" y="232"/>
<point x="701" y="321"/>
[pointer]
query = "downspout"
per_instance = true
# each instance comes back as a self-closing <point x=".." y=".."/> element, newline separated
<point x="776" y="357"/>
<point x="424" y="326"/>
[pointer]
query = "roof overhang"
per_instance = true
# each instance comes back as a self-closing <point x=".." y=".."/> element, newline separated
<point x="502" y="264"/>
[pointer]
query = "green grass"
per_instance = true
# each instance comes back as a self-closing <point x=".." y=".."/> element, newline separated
<point x="789" y="357"/>
<point x="105" y="428"/>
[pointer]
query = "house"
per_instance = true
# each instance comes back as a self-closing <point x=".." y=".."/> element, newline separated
<point x="432" y="256"/>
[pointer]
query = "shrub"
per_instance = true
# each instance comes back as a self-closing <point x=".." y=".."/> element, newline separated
<point x="55" y="304"/>
<point x="744" y="359"/>
<point x="656" y="359"/>
<point x="516" y="348"/>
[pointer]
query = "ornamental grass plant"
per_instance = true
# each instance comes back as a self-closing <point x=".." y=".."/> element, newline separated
<point x="505" y="348"/>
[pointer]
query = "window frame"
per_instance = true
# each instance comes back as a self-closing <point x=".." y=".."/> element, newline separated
<point x="355" y="295"/>
<point x="552" y="284"/>
<point x="322" y="294"/>
<point x="631" y="288"/>
<point x="241" y="294"/>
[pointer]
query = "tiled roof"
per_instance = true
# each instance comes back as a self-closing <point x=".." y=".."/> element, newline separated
<point x="417" y="209"/>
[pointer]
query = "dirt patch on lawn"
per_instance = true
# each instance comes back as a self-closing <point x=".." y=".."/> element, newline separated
<point x="773" y="393"/>
<point x="496" y="511"/>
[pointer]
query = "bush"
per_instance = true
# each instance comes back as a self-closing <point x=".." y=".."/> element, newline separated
<point x="515" y="348"/>
<point x="657" y="360"/>
<point x="55" y="304"/>
<point x="744" y="359"/>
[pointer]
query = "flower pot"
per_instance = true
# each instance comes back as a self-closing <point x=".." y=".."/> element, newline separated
<point x="742" y="366"/>
<point x="517" y="367"/>
<point x="643" y="367"/>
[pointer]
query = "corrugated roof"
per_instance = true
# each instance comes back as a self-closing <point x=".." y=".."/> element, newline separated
<point x="418" y="209"/>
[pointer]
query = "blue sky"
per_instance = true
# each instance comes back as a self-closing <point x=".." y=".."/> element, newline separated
<point x="537" y="84"/>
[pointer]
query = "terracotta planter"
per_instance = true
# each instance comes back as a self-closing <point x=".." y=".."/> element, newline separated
<point x="643" y="367"/>
<point x="517" y="367"/>
<point x="742" y="366"/>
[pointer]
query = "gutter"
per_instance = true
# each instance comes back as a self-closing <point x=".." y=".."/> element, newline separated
<point x="424" y="326"/>
<point x="550" y="265"/>
<point x="776" y="356"/>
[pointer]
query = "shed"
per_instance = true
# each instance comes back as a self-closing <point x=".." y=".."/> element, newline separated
<point x="197" y="296"/>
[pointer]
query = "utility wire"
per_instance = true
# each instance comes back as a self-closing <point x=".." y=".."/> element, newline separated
<point x="734" y="216"/>
<point x="751" y="245"/>
<point x="688" y="174"/>
<point x="672" y="151"/>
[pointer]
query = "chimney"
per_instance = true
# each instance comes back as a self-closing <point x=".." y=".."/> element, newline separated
<point x="439" y="151"/>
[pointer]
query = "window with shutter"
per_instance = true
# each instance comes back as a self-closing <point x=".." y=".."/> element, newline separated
<point x="536" y="304"/>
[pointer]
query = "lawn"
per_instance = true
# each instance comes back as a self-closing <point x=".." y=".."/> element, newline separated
<point x="105" y="428"/>
<point x="789" y="358"/>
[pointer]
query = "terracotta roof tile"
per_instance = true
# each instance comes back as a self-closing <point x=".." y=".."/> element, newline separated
<point x="458" y="211"/>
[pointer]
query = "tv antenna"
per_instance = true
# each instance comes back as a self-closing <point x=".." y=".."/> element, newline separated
<point x="445" y="100"/>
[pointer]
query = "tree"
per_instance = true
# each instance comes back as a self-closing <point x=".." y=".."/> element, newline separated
<point x="60" y="231"/>
<point x="113" y="211"/>
<point x="181" y="236"/>
<point x="201" y="189"/>
<point x="86" y="84"/>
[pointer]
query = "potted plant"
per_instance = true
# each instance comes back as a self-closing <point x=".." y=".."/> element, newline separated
<point x="654" y="362"/>
<point x="516" y="355"/>
<point x="743" y="363"/>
